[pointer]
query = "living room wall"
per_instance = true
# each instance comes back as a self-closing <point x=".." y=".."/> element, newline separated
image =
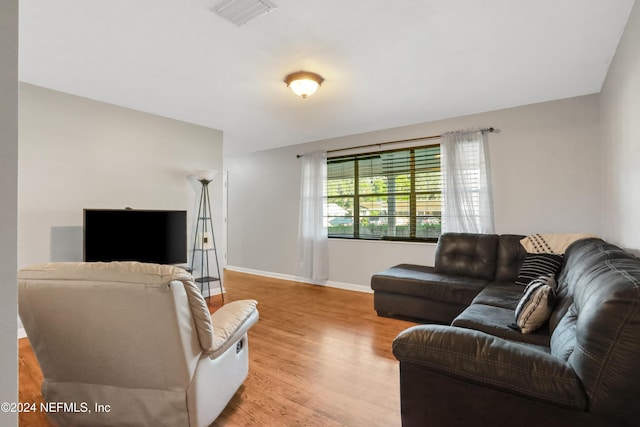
<point x="547" y="177"/>
<point x="8" y="206"/>
<point x="620" y="110"/>
<point x="76" y="153"/>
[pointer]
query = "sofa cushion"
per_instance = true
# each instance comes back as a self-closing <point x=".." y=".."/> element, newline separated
<point x="465" y="254"/>
<point x="500" y="294"/>
<point x="425" y="282"/>
<point x="536" y="304"/>
<point x="496" y="321"/>
<point x="536" y="265"/>
<point x="563" y="303"/>
<point x="563" y="338"/>
<point x="510" y="257"/>
<point x="581" y="258"/>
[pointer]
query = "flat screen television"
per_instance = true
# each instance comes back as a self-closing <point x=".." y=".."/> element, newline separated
<point x="154" y="236"/>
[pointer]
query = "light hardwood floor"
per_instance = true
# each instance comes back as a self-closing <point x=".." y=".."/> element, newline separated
<point x="318" y="357"/>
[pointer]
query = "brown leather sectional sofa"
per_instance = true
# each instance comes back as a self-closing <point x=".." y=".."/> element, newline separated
<point x="582" y="369"/>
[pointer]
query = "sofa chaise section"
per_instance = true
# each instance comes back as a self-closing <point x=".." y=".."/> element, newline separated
<point x="415" y="291"/>
<point x="465" y="264"/>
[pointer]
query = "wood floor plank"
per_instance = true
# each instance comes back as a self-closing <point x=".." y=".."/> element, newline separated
<point x="318" y="356"/>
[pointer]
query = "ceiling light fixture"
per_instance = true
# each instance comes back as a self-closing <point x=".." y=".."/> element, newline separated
<point x="303" y="83"/>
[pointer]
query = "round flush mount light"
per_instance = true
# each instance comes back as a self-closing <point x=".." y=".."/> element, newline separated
<point x="303" y="83"/>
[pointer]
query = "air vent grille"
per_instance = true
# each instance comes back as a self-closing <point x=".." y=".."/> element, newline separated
<point x="239" y="12"/>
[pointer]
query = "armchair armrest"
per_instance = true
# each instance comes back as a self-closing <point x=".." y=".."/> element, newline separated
<point x="230" y="323"/>
<point x="485" y="360"/>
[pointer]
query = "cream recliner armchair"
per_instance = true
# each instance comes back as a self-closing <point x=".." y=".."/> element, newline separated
<point x="131" y="344"/>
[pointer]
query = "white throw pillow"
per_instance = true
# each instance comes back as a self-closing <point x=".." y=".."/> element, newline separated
<point x="536" y="304"/>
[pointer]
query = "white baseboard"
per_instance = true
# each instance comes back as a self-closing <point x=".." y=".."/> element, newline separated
<point x="329" y="283"/>
<point x="22" y="333"/>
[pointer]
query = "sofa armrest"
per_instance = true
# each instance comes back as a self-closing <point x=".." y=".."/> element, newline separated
<point x="485" y="360"/>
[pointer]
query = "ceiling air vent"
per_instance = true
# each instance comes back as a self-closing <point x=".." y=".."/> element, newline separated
<point x="240" y="12"/>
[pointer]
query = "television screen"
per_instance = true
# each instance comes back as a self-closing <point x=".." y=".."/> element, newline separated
<point x="153" y="236"/>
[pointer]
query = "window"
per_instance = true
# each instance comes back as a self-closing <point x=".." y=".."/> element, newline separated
<point x="393" y="195"/>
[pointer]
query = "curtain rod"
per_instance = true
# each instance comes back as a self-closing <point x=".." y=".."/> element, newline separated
<point x="423" y="138"/>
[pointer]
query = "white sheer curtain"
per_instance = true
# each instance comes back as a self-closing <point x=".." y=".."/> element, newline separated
<point x="467" y="204"/>
<point x="313" y="243"/>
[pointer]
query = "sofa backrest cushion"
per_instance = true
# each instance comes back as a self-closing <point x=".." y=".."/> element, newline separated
<point x="580" y="258"/>
<point x="599" y="333"/>
<point x="467" y="254"/>
<point x="511" y="254"/>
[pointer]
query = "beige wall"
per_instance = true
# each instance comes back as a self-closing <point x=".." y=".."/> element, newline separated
<point x="547" y="175"/>
<point x="8" y="205"/>
<point x="620" y="111"/>
<point x="76" y="153"/>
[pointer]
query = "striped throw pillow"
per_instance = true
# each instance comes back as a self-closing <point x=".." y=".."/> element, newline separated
<point x="536" y="304"/>
<point x="536" y="265"/>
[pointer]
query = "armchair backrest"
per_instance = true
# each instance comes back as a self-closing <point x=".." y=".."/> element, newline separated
<point x="124" y="324"/>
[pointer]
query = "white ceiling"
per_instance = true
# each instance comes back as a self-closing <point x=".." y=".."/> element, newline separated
<point x="386" y="63"/>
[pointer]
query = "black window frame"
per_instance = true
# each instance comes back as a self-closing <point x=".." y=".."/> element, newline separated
<point x="412" y="194"/>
